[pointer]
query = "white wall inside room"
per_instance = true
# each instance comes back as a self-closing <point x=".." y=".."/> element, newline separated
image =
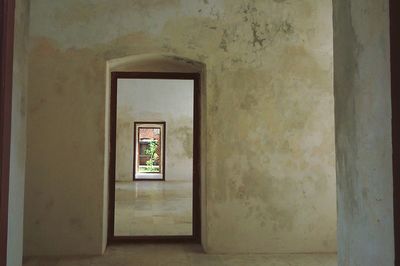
<point x="156" y="100"/>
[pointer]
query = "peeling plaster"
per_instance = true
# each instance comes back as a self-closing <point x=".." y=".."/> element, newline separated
<point x="269" y="146"/>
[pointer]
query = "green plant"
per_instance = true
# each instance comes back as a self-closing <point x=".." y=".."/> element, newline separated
<point x="152" y="152"/>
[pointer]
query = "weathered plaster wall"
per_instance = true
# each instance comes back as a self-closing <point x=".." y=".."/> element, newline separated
<point x="18" y="135"/>
<point x="269" y="172"/>
<point x="156" y="100"/>
<point x="363" y="132"/>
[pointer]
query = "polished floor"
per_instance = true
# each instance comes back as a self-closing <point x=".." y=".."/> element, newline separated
<point x="181" y="255"/>
<point x="148" y="176"/>
<point x="148" y="208"/>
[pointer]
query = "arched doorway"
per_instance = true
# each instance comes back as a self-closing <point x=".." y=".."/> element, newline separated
<point x="164" y="68"/>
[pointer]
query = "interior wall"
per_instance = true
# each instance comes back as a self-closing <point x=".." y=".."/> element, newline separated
<point x="269" y="146"/>
<point x="363" y="132"/>
<point x="156" y="100"/>
<point x="18" y="135"/>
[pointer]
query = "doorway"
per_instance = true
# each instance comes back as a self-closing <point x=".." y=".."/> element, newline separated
<point x="162" y="200"/>
<point x="149" y="151"/>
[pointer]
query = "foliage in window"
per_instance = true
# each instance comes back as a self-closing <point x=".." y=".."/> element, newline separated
<point x="152" y="152"/>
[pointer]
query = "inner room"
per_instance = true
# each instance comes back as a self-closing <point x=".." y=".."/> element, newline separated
<point x="154" y="157"/>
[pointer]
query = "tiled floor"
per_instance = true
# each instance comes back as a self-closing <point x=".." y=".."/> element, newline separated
<point x="145" y="208"/>
<point x="181" y="255"/>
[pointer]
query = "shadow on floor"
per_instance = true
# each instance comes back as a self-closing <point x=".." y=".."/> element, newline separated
<point x="180" y="255"/>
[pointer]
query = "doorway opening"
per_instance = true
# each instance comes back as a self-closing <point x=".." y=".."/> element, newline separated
<point x="162" y="200"/>
<point x="149" y="151"/>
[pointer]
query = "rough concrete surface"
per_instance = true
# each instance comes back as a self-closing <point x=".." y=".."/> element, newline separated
<point x="363" y="133"/>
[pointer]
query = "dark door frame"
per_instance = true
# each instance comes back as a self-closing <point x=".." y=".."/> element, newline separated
<point x="163" y="125"/>
<point x="196" y="210"/>
<point x="7" y="9"/>
<point x="395" y="79"/>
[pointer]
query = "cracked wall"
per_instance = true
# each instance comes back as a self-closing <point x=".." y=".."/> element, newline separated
<point x="269" y="146"/>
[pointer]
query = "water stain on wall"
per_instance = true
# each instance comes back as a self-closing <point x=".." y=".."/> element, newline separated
<point x="269" y="112"/>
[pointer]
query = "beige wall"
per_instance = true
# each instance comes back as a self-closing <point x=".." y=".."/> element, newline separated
<point x="156" y="100"/>
<point x="18" y="136"/>
<point x="269" y="175"/>
<point x="363" y="132"/>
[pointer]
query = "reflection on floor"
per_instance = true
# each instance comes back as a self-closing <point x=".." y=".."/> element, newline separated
<point x="148" y="176"/>
<point x="181" y="255"/>
<point x="145" y="208"/>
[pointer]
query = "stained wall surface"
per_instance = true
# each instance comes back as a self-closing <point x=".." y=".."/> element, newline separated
<point x="363" y="132"/>
<point x="269" y="172"/>
<point x="18" y="135"/>
<point x="156" y="100"/>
